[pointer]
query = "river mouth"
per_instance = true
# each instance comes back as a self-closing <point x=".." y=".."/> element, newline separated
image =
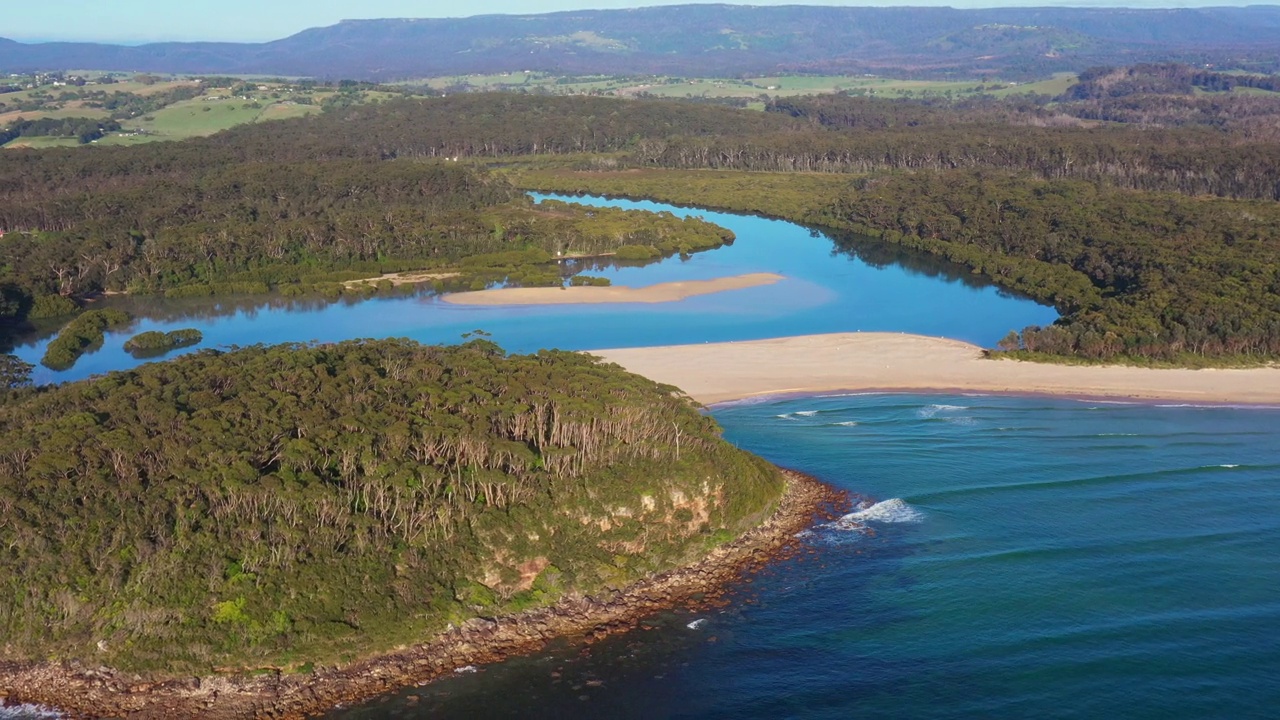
<point x="832" y="283"/>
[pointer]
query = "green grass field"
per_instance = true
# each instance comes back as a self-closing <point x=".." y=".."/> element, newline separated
<point x="1054" y="86"/>
<point x="39" y="143"/>
<point x="185" y="119"/>
<point x="66" y="112"/>
<point x="202" y="116"/>
<point x="196" y="118"/>
<point x="752" y="88"/>
<point x="287" y="110"/>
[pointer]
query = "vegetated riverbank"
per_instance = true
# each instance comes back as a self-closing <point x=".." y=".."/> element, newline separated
<point x="101" y="692"/>
<point x="721" y="372"/>
<point x="659" y="293"/>
<point x="1131" y="285"/>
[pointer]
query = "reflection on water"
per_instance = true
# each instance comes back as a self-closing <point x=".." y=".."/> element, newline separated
<point x="839" y="283"/>
<point x="881" y="255"/>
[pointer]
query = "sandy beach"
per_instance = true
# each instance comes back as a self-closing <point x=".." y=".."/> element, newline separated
<point x="720" y="372"/>
<point x="660" y="293"/>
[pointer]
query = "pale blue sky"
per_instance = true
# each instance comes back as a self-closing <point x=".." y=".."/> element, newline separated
<point x="256" y="20"/>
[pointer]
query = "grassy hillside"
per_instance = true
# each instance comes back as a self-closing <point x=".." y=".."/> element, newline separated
<point x="159" y="109"/>
<point x="294" y="504"/>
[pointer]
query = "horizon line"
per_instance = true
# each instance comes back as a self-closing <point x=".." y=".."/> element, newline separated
<point x="31" y="39"/>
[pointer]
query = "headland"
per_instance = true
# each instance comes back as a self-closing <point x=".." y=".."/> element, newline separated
<point x="100" y="692"/>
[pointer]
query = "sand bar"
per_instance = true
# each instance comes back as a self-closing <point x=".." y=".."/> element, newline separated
<point x="404" y="278"/>
<point x="720" y="372"/>
<point x="660" y="293"/>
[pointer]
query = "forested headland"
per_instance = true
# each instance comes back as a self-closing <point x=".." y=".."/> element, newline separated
<point x="281" y="506"/>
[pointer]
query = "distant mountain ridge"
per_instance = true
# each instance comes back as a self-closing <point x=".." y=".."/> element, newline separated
<point x="709" y="40"/>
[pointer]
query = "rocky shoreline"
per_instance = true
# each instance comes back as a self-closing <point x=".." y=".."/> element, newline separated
<point x="100" y="692"/>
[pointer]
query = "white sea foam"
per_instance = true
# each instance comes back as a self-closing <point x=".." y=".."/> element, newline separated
<point x="929" y="411"/>
<point x="895" y="510"/>
<point x="806" y="413"/>
<point x="465" y="669"/>
<point x="1228" y="466"/>
<point x="697" y="624"/>
<point x="853" y="394"/>
<point x="848" y="423"/>
<point x="29" y="712"/>
<point x="784" y="416"/>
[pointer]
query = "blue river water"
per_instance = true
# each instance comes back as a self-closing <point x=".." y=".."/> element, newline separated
<point x="833" y="284"/>
<point x="1018" y="558"/>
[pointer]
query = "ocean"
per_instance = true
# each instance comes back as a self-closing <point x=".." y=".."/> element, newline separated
<point x="1013" y="557"/>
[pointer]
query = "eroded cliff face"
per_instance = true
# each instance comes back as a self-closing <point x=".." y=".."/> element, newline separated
<point x="608" y="537"/>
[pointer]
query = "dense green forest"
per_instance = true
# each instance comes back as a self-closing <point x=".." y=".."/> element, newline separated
<point x="1142" y="276"/>
<point x="1108" y="220"/>
<point x="250" y="227"/>
<point x="86" y="130"/>
<point x="280" y="505"/>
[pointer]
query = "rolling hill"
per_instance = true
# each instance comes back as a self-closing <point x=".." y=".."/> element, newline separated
<point x="712" y="40"/>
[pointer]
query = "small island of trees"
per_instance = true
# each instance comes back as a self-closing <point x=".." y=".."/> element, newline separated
<point x="157" y="343"/>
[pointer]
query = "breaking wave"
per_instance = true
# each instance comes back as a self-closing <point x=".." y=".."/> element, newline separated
<point x="929" y="411"/>
<point x="889" y="511"/>
<point x="857" y="523"/>
<point x="28" y="712"/>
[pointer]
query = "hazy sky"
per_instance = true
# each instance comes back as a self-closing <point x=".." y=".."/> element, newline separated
<point x="254" y="20"/>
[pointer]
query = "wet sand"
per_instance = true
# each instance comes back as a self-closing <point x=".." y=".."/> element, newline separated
<point x="721" y="372"/>
<point x="662" y="292"/>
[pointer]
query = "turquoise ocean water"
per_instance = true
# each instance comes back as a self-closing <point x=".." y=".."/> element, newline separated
<point x="1016" y="558"/>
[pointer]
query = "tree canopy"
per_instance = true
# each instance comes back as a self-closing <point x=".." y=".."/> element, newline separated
<point x="277" y="505"/>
